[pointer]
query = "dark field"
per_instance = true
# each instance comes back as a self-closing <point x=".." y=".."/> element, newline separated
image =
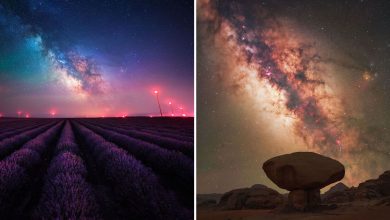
<point x="113" y="168"/>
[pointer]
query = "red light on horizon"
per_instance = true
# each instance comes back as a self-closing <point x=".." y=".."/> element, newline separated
<point x="184" y="115"/>
<point x="27" y="115"/>
<point x="155" y="91"/>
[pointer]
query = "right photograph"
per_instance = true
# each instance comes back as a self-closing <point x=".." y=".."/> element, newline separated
<point x="293" y="102"/>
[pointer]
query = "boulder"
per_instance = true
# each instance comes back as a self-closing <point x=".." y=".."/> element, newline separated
<point x="262" y="197"/>
<point x="233" y="200"/>
<point x="256" y="197"/>
<point x="303" y="170"/>
<point x="303" y="174"/>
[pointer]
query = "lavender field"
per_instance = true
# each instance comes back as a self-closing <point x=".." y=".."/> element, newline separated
<point x="112" y="168"/>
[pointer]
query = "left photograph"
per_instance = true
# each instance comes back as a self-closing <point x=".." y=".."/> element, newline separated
<point x="96" y="109"/>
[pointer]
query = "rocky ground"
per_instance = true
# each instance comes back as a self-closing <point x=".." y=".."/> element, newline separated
<point x="370" y="200"/>
<point x="348" y="212"/>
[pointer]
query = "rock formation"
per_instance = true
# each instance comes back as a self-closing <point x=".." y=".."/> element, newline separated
<point x="336" y="189"/>
<point x="370" y="189"/>
<point x="256" y="197"/>
<point x="207" y="201"/>
<point x="303" y="174"/>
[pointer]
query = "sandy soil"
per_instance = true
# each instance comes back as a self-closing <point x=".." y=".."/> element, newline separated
<point x="353" y="212"/>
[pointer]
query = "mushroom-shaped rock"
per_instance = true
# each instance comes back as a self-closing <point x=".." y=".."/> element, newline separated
<point x="303" y="170"/>
<point x="304" y="174"/>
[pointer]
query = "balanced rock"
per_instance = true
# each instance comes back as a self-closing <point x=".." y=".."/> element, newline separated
<point x="304" y="174"/>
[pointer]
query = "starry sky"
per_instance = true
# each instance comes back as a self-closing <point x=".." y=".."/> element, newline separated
<point x="279" y="76"/>
<point x="95" y="58"/>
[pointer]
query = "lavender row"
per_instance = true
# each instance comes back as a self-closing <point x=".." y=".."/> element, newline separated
<point x="66" y="193"/>
<point x="183" y="126"/>
<point x="20" y="168"/>
<point x="15" y="131"/>
<point x="169" y="133"/>
<point x="8" y="145"/>
<point x="134" y="185"/>
<point x="176" y="125"/>
<point x="17" y="122"/>
<point x="173" y="134"/>
<point x="164" y="162"/>
<point x="11" y="126"/>
<point x="186" y="148"/>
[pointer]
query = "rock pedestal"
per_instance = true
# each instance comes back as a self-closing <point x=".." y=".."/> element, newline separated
<point x="303" y="174"/>
<point x="304" y="199"/>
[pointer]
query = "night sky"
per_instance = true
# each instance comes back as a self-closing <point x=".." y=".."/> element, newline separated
<point x="95" y="57"/>
<point x="276" y="77"/>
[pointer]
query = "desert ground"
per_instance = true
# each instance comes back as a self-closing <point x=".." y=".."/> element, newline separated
<point x="353" y="211"/>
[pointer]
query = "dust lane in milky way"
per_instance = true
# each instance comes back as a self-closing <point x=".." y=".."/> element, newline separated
<point x="294" y="83"/>
<point x="95" y="58"/>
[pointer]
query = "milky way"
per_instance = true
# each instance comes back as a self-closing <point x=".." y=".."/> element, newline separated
<point x="79" y="73"/>
<point x="275" y="62"/>
<point x="95" y="57"/>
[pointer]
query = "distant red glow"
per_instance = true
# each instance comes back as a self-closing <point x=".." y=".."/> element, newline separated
<point x="184" y="115"/>
<point x="27" y="115"/>
<point x="172" y="114"/>
<point x="1" y="115"/>
<point x="155" y="91"/>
